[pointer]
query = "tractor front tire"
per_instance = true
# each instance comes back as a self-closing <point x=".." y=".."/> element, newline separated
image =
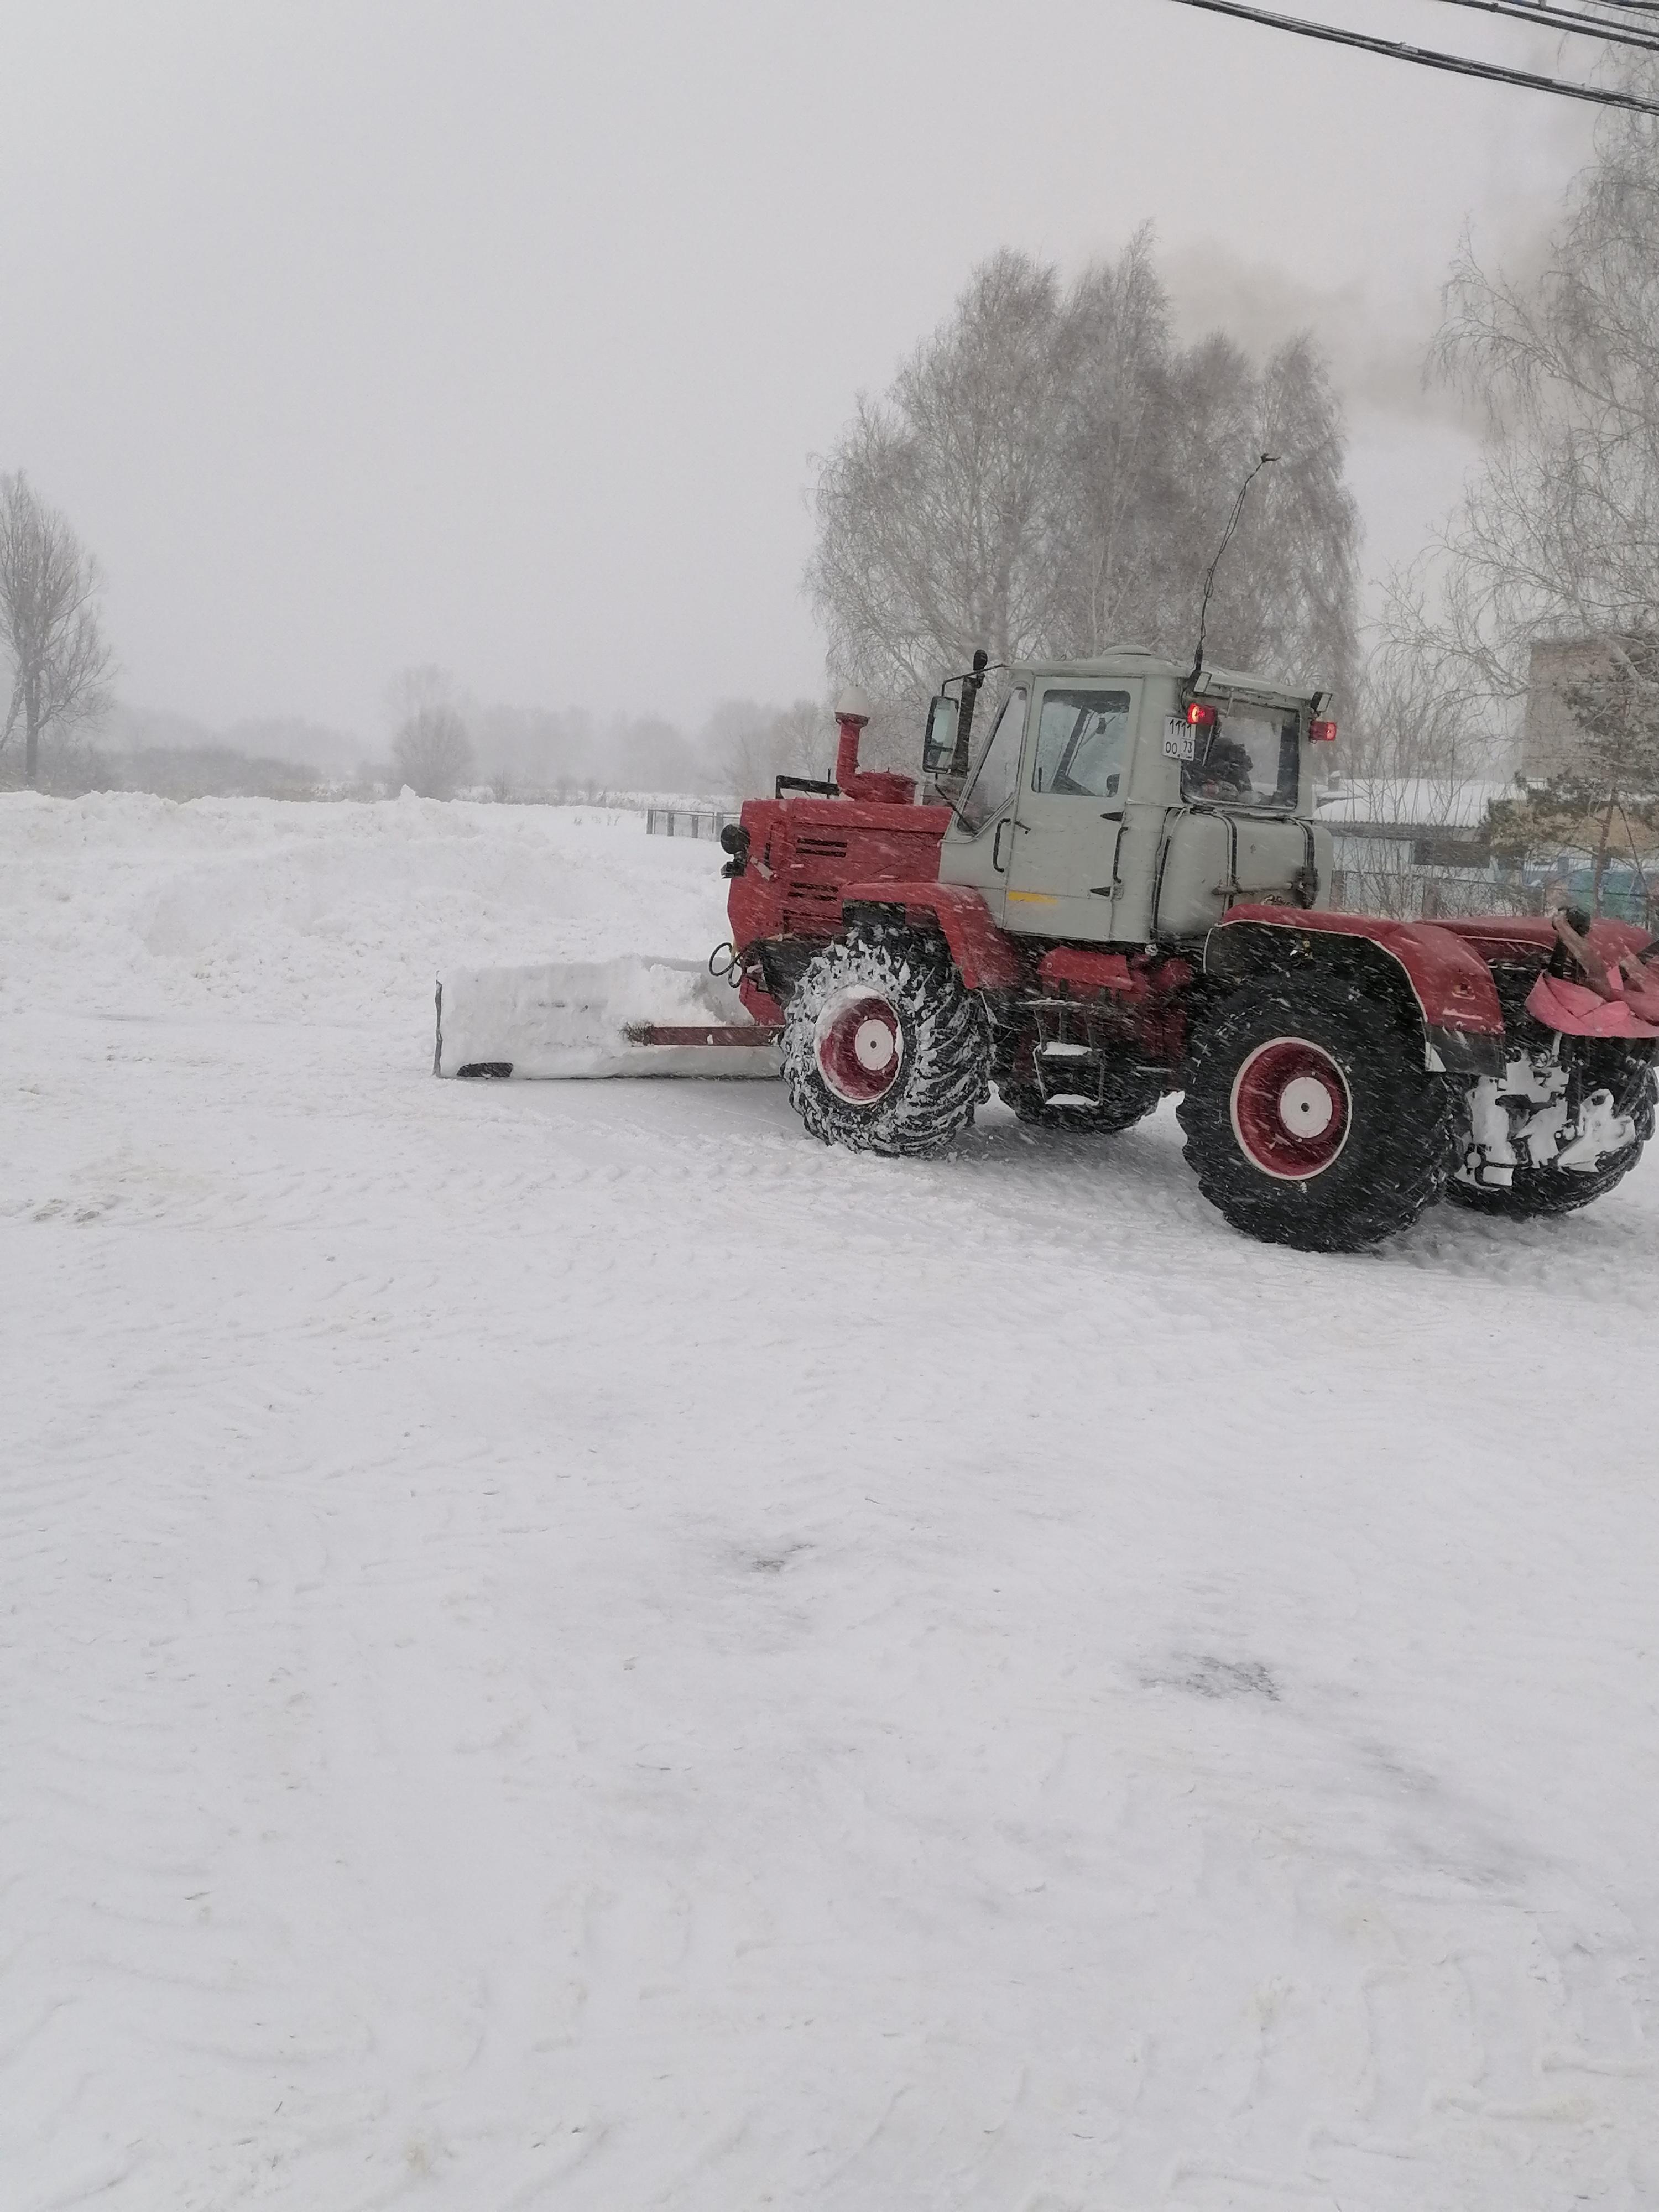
<point x="884" y="1050"/>
<point x="1309" y="1118"/>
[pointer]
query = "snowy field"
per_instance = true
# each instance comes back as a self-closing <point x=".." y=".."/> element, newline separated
<point x="565" y="1647"/>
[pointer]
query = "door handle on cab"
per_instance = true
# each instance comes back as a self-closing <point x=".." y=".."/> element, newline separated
<point x="1007" y="823"/>
<point x="1111" y="890"/>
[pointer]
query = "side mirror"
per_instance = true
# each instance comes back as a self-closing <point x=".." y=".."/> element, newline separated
<point x="938" y="747"/>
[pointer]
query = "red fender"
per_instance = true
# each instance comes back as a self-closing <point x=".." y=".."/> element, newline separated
<point x="986" y="958"/>
<point x="1452" y="985"/>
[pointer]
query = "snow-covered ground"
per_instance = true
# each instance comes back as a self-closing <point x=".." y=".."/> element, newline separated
<point x="564" y="1646"/>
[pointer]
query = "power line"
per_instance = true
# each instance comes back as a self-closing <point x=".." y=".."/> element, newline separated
<point x="1428" y="57"/>
<point x="1631" y="7"/>
<point x="1550" y="17"/>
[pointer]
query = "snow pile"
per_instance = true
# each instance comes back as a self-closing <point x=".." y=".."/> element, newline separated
<point x="122" y="901"/>
<point x="565" y="1646"/>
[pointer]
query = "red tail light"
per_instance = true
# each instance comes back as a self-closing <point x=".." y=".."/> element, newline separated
<point x="1201" y="717"/>
<point x="1322" y="733"/>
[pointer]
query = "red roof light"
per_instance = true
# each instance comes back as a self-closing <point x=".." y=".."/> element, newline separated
<point x="1322" y="733"/>
<point x="1201" y="717"/>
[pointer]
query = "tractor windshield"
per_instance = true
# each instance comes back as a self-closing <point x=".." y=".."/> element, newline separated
<point x="1248" y="756"/>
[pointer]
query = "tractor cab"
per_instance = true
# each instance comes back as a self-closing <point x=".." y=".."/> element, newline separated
<point x="1116" y="801"/>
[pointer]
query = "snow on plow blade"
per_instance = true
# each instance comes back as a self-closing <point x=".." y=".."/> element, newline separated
<point x="597" y="1018"/>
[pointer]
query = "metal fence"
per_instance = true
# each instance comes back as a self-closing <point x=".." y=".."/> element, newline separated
<point x="687" y="822"/>
<point x="1424" y="894"/>
<point x="1430" y="894"/>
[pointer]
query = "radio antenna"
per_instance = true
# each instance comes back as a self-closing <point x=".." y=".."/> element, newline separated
<point x="1266" y="460"/>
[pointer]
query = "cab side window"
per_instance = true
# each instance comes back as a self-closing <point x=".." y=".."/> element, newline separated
<point x="1082" y="745"/>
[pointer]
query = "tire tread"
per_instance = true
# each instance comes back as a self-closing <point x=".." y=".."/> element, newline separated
<point x="1402" y="1145"/>
<point x="946" y="1037"/>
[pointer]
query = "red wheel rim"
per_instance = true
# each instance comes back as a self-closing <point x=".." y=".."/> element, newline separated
<point x="1291" y="1109"/>
<point x="860" y="1045"/>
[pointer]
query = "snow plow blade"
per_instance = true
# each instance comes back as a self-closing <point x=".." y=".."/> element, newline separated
<point x="598" y="1019"/>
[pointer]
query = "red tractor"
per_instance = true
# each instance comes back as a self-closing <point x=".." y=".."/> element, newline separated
<point x="1121" y="894"/>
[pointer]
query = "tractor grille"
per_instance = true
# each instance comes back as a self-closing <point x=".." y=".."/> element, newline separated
<point x="822" y="848"/>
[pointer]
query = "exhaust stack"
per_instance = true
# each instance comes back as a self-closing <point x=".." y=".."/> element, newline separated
<point x="852" y="714"/>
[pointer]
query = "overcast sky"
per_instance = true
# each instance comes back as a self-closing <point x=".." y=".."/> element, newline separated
<point x="352" y="335"/>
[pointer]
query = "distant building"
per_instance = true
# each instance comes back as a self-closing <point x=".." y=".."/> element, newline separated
<point x="1417" y="848"/>
<point x="1550" y="738"/>
<point x="1413" y="846"/>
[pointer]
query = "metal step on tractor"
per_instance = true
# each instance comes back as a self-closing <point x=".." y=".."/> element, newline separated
<point x="1120" y="893"/>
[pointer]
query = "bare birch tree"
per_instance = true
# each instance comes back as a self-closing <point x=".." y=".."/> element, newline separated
<point x="1557" y="534"/>
<point x="50" y="629"/>
<point x="932" y="509"/>
<point x="747" y="745"/>
<point x="1050" y="472"/>
<point x="431" y="751"/>
<point x="1559" y="530"/>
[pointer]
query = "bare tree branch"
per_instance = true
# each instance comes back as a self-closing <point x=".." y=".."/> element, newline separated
<point x="431" y="751"/>
<point x="50" y="628"/>
<point x="1558" y="531"/>
<point x="1050" y="472"/>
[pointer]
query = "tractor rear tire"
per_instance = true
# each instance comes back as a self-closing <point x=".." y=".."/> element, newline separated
<point x="884" y="1050"/>
<point x="1309" y="1118"/>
